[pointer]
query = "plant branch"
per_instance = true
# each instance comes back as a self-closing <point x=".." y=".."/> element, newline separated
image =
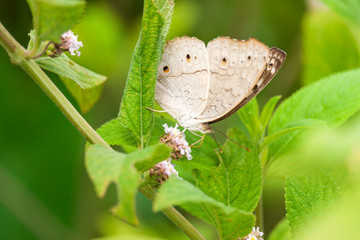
<point x="172" y="213"/>
<point x="17" y="54"/>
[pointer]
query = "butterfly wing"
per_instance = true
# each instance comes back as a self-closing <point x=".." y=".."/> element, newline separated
<point x="275" y="61"/>
<point x="238" y="73"/>
<point x="183" y="78"/>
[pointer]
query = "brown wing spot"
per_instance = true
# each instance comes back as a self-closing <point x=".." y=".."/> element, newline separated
<point x="249" y="57"/>
<point x="188" y="58"/>
<point x="166" y="69"/>
<point x="223" y="62"/>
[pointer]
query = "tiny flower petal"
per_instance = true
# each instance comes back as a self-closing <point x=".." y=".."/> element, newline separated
<point x="167" y="168"/>
<point x="70" y="43"/>
<point x="254" y="235"/>
<point x="176" y="139"/>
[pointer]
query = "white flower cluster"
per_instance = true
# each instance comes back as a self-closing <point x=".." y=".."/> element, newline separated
<point x="177" y="138"/>
<point x="167" y="168"/>
<point x="255" y="234"/>
<point x="70" y="43"/>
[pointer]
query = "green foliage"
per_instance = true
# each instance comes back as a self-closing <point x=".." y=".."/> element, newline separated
<point x="349" y="9"/>
<point x="256" y="123"/>
<point x="106" y="166"/>
<point x="224" y="194"/>
<point x="299" y="125"/>
<point x="332" y="100"/>
<point x="249" y="115"/>
<point x="115" y="134"/>
<point x="82" y="83"/>
<point x="237" y="181"/>
<point x="224" y="189"/>
<point x="329" y="46"/>
<point x="51" y="18"/>
<point x="268" y="110"/>
<point x="307" y="198"/>
<point x="339" y="222"/>
<point x="140" y="86"/>
<point x="230" y="222"/>
<point x="281" y="231"/>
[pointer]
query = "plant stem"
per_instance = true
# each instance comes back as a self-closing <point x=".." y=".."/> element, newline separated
<point x="17" y="54"/>
<point x="61" y="102"/>
<point x="259" y="213"/>
<point x="172" y="213"/>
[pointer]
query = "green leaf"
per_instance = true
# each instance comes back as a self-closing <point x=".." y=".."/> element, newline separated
<point x="148" y="157"/>
<point x="82" y="83"/>
<point x="249" y="115"/>
<point x="139" y="91"/>
<point x="347" y="8"/>
<point x="341" y="221"/>
<point x="114" y="133"/>
<point x="51" y="18"/>
<point x="268" y="110"/>
<point x="133" y="236"/>
<point x="299" y="125"/>
<point x="323" y="152"/>
<point x="230" y="222"/>
<point x="106" y="166"/>
<point x="281" y="231"/>
<point x="329" y="46"/>
<point x="306" y="199"/>
<point x="237" y="181"/>
<point x="333" y="100"/>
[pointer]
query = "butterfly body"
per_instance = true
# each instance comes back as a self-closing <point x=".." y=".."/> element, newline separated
<point x="199" y="85"/>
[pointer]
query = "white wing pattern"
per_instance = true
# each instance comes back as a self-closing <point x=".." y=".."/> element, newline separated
<point x="199" y="85"/>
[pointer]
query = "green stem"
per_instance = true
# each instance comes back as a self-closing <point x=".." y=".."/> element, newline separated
<point x="181" y="222"/>
<point x="259" y="213"/>
<point x="18" y="56"/>
<point x="61" y="102"/>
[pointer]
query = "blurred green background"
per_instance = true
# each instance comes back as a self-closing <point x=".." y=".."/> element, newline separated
<point x="45" y="192"/>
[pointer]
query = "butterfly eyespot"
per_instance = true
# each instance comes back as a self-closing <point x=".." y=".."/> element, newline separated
<point x="166" y="69"/>
<point x="188" y="58"/>
<point x="271" y="65"/>
<point x="249" y="57"/>
<point x="223" y="61"/>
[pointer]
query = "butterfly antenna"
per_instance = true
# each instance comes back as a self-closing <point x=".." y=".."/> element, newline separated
<point x="212" y="132"/>
<point x="231" y="139"/>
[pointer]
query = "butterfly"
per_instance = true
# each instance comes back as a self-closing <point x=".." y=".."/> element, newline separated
<point x="199" y="85"/>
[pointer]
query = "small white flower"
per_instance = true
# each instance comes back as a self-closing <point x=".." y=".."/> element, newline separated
<point x="172" y="131"/>
<point x="176" y="139"/>
<point x="70" y="43"/>
<point x="255" y="234"/>
<point x="167" y="168"/>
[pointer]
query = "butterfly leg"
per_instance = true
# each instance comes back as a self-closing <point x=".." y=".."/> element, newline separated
<point x="201" y="140"/>
<point x="195" y="133"/>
